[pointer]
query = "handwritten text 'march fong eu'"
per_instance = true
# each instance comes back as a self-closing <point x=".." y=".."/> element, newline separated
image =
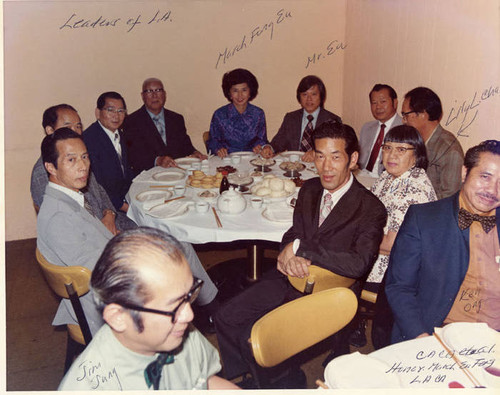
<point x="253" y="36"/>
<point x="464" y="113"/>
<point x="76" y="22"/>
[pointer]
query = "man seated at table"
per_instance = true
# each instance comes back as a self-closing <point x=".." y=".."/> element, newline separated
<point x="107" y="150"/>
<point x="144" y="289"/>
<point x="337" y="224"/>
<point x="64" y="115"/>
<point x="70" y="233"/>
<point x="444" y="266"/>
<point x="295" y="131"/>
<point x="154" y="135"/>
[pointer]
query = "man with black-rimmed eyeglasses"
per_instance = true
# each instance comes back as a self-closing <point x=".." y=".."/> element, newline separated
<point x="144" y="287"/>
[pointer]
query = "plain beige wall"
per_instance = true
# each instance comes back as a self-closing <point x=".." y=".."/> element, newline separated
<point x="450" y="46"/>
<point x="46" y="65"/>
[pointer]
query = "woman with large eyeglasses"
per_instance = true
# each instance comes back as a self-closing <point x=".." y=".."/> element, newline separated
<point x="403" y="182"/>
<point x="239" y="125"/>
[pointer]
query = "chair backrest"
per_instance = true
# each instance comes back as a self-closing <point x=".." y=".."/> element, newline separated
<point x="206" y="136"/>
<point x="69" y="282"/>
<point x="57" y="276"/>
<point x="323" y="279"/>
<point x="301" y="323"/>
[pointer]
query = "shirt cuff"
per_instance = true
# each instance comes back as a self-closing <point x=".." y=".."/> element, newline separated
<point x="295" y="246"/>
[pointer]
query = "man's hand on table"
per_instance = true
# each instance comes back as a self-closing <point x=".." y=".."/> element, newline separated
<point x="291" y="265"/>
<point x="165" y="161"/>
<point x="199" y="155"/>
<point x="267" y="152"/>
<point x="109" y="221"/>
<point x="308" y="156"/>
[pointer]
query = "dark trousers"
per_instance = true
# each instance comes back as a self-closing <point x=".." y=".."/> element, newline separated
<point x="236" y="317"/>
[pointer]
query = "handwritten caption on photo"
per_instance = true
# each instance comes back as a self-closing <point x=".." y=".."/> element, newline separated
<point x="79" y="23"/>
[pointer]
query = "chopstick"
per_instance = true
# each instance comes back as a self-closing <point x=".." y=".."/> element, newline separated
<point x="319" y="383"/>
<point x="217" y="219"/>
<point x="177" y="198"/>
<point x="466" y="371"/>
<point x="161" y="186"/>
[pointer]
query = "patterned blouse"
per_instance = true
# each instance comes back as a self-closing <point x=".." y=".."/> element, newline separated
<point x="397" y="194"/>
<point x="237" y="132"/>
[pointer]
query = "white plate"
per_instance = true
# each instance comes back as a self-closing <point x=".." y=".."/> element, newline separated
<point x="234" y="179"/>
<point x="287" y="154"/>
<point x="344" y="372"/>
<point x="170" y="175"/>
<point x="210" y="199"/>
<point x="243" y="154"/>
<point x="149" y="195"/>
<point x="170" y="209"/>
<point x="463" y="335"/>
<point x="278" y="213"/>
<point x="186" y="163"/>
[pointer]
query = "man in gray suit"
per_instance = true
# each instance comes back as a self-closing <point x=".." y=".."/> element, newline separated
<point x="295" y="131"/>
<point x="64" y="115"/>
<point x="384" y="105"/>
<point x="422" y="109"/>
<point x="70" y="232"/>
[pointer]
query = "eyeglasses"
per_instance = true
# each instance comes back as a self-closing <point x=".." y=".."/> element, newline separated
<point x="112" y="110"/>
<point x="398" y="150"/>
<point x="151" y="91"/>
<point x="404" y="115"/>
<point x="190" y="297"/>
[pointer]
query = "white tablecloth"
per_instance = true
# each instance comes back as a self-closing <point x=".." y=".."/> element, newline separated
<point x="202" y="228"/>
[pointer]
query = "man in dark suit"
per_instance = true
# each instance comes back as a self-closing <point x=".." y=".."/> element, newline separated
<point x="337" y="224"/>
<point x="444" y="265"/>
<point x="384" y="106"/>
<point x="154" y="135"/>
<point x="107" y="150"/>
<point x="296" y="126"/>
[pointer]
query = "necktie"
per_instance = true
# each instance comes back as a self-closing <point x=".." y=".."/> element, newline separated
<point x="87" y="206"/>
<point x="160" y="128"/>
<point x="152" y="373"/>
<point x="465" y="219"/>
<point x="118" y="148"/>
<point x="376" y="148"/>
<point x="306" y="143"/>
<point x="327" y="207"/>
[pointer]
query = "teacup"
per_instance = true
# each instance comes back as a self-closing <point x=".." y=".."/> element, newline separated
<point x="256" y="202"/>
<point x="196" y="165"/>
<point x="294" y="158"/>
<point x="226" y="159"/>
<point x="202" y="207"/>
<point x="179" y="190"/>
<point x="235" y="159"/>
<point x="279" y="161"/>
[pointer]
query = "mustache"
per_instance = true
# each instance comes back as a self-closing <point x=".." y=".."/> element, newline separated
<point x="488" y="196"/>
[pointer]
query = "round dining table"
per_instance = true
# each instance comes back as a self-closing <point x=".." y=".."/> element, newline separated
<point x="191" y="226"/>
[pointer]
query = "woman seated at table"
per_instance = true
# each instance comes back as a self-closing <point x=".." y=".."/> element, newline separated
<point x="403" y="182"/>
<point x="239" y="125"/>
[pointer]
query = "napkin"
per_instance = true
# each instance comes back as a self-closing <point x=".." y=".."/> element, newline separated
<point x="278" y="213"/>
<point x="170" y="209"/>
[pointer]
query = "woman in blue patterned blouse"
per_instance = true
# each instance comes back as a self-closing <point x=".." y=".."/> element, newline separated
<point x="239" y="125"/>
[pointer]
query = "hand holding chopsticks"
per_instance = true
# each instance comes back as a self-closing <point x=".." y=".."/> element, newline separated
<point x="217" y="219"/>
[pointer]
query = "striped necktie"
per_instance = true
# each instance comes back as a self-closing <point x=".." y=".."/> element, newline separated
<point x="326" y="209"/>
<point x="306" y="143"/>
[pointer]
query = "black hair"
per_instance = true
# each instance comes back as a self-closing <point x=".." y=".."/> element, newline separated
<point x="379" y="87"/>
<point x="50" y="115"/>
<point x="101" y="101"/>
<point x="472" y="155"/>
<point x="50" y="154"/>
<point x="406" y="134"/>
<point x="336" y="130"/>
<point x="307" y="83"/>
<point x="239" y="76"/>
<point x="423" y="99"/>
<point x="116" y="277"/>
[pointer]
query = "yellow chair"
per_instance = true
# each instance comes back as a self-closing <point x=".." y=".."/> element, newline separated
<point x="206" y="136"/>
<point x="69" y="282"/>
<point x="299" y="324"/>
<point x="323" y="279"/>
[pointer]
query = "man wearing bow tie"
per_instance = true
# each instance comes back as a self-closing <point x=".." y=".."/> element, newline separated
<point x="104" y="141"/>
<point x="145" y="289"/>
<point x="445" y="263"/>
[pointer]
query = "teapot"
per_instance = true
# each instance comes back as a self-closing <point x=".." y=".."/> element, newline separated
<point x="231" y="202"/>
